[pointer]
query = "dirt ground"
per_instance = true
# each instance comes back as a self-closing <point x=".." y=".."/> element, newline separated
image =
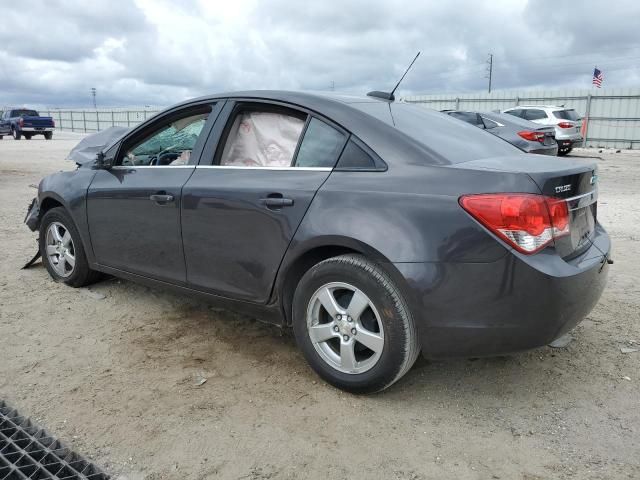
<point x="115" y="376"/>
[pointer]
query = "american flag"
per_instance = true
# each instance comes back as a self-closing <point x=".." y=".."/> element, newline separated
<point x="597" y="77"/>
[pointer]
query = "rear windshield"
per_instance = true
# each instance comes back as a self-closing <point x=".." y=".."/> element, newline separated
<point x="472" y="118"/>
<point x="566" y="115"/>
<point x="24" y="113"/>
<point x="455" y="140"/>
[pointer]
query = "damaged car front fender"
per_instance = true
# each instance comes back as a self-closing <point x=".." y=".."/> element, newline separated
<point x="33" y="215"/>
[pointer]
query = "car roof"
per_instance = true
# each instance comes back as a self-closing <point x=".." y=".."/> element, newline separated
<point x="376" y="122"/>
<point x="551" y="107"/>
<point x="513" y="121"/>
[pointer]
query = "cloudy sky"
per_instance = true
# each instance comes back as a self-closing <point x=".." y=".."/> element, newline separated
<point x="156" y="52"/>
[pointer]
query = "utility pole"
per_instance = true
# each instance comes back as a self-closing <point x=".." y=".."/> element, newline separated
<point x="93" y="94"/>
<point x="490" y="69"/>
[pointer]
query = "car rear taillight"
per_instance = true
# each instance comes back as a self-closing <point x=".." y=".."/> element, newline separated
<point x="532" y="136"/>
<point x="53" y="123"/>
<point x="21" y="122"/>
<point x="527" y="222"/>
<point x="566" y="125"/>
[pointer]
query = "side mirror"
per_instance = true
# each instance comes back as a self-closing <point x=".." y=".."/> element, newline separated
<point x="103" y="162"/>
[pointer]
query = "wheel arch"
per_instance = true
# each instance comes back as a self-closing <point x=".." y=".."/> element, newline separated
<point x="301" y="258"/>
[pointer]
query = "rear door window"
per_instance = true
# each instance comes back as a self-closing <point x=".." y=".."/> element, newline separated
<point x="320" y="146"/>
<point x="469" y="117"/>
<point x="262" y="137"/>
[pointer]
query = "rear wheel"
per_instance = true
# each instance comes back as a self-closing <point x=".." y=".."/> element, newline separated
<point x="16" y="133"/>
<point x="353" y="326"/>
<point x="48" y="135"/>
<point x="62" y="250"/>
<point x="27" y="136"/>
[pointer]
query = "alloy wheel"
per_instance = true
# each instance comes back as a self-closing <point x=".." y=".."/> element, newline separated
<point x="60" y="250"/>
<point x="345" y="328"/>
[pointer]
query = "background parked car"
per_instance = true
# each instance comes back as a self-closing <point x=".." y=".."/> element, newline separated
<point x="21" y="122"/>
<point x="565" y="120"/>
<point x="528" y="136"/>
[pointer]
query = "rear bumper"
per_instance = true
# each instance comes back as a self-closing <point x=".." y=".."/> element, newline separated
<point x="569" y="141"/>
<point x="36" y="129"/>
<point x="513" y="304"/>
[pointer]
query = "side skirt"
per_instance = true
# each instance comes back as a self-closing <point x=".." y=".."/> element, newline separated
<point x="270" y="313"/>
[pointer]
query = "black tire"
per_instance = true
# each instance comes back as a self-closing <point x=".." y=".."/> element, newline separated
<point x="16" y="133"/>
<point x="1" y="136"/>
<point x="400" y="346"/>
<point x="81" y="274"/>
<point x="48" y="135"/>
<point x="27" y="136"/>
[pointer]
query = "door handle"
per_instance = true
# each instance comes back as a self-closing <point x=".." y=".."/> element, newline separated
<point x="161" y="198"/>
<point x="276" y="202"/>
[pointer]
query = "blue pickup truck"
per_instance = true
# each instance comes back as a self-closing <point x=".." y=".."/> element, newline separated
<point x="22" y="122"/>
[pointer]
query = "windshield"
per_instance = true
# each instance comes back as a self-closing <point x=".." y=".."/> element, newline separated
<point x="455" y="140"/>
<point x="24" y="113"/>
<point x="566" y="115"/>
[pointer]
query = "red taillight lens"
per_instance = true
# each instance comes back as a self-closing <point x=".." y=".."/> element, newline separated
<point x="21" y="122"/>
<point x="525" y="221"/>
<point x="53" y="123"/>
<point x="566" y="125"/>
<point x="532" y="136"/>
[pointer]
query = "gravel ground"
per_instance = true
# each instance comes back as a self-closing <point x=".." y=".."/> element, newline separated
<point x="113" y="370"/>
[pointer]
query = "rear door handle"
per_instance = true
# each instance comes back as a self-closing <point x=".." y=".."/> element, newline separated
<point x="276" y="202"/>
<point x="161" y="198"/>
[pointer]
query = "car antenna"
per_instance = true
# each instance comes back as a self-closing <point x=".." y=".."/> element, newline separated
<point x="389" y="96"/>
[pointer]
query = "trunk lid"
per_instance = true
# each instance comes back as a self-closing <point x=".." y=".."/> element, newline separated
<point x="549" y="135"/>
<point x="574" y="181"/>
<point x="579" y="189"/>
<point x="37" y="121"/>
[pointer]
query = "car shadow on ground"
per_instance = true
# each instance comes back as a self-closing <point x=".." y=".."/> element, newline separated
<point x="192" y="335"/>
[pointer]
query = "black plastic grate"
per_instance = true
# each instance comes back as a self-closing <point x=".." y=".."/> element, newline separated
<point x="29" y="452"/>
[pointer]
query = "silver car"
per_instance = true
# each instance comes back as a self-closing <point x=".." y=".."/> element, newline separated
<point x="527" y="136"/>
<point x="566" y="121"/>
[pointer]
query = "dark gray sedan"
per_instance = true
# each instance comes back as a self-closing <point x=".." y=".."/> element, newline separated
<point x="527" y="136"/>
<point x="375" y="229"/>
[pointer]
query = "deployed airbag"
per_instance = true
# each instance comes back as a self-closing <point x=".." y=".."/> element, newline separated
<point x="262" y="139"/>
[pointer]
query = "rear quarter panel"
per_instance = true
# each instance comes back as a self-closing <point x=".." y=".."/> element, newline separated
<point x="409" y="213"/>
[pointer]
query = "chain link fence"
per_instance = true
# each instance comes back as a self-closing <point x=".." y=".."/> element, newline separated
<point x="613" y="115"/>
<point x="89" y="121"/>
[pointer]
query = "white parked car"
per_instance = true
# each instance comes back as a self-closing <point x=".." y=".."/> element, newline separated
<point x="566" y="121"/>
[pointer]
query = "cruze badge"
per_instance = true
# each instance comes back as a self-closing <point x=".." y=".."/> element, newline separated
<point x="563" y="188"/>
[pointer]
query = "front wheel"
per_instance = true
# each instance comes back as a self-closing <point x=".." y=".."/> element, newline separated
<point x="353" y="325"/>
<point x="62" y="250"/>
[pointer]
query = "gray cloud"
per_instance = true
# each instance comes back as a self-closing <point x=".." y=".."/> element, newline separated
<point x="161" y="52"/>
